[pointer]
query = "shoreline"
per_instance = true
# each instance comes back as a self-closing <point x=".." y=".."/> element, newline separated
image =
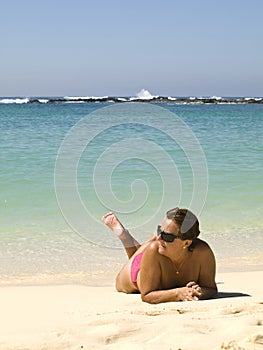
<point x="65" y="317"/>
<point x="98" y="277"/>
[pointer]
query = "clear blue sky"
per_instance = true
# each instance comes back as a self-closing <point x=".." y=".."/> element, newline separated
<point x="118" y="47"/>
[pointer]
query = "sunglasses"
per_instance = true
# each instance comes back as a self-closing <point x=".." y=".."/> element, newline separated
<point x="167" y="237"/>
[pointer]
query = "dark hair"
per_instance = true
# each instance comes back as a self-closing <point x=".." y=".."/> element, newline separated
<point x="187" y="222"/>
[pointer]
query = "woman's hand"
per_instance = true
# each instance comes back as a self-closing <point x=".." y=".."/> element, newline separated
<point x="192" y="291"/>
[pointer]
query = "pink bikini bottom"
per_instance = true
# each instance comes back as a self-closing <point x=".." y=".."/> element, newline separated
<point x="135" y="268"/>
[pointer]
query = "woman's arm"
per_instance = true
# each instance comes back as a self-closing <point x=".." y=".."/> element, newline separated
<point x="207" y="272"/>
<point x="150" y="278"/>
<point x="149" y="281"/>
<point x="175" y="294"/>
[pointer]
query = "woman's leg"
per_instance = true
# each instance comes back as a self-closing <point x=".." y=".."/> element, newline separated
<point x="129" y="242"/>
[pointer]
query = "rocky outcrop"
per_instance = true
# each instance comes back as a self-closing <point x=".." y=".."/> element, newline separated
<point x="159" y="99"/>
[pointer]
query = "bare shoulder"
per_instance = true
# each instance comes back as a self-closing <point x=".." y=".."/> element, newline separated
<point x="151" y="253"/>
<point x="152" y="248"/>
<point x="202" y="246"/>
<point x="203" y="252"/>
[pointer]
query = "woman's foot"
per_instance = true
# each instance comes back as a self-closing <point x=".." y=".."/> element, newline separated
<point x="111" y="220"/>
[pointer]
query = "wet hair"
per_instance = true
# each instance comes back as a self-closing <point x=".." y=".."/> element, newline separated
<point x="187" y="222"/>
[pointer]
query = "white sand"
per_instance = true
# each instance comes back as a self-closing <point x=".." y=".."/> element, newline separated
<point x="80" y="317"/>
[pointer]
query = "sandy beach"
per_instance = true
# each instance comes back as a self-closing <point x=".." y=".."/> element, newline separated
<point x="83" y="317"/>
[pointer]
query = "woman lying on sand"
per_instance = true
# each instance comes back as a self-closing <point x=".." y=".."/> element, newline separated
<point x="174" y="266"/>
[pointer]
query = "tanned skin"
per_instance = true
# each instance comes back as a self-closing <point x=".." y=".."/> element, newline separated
<point x="169" y="271"/>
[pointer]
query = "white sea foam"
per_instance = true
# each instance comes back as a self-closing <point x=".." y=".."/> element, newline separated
<point x="85" y="97"/>
<point x="145" y="95"/>
<point x="171" y="98"/>
<point x="216" y="98"/>
<point x="14" y="100"/>
<point x="74" y="101"/>
<point x="253" y="98"/>
<point x="43" y="101"/>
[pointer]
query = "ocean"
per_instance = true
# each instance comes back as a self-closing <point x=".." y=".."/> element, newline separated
<point x="67" y="163"/>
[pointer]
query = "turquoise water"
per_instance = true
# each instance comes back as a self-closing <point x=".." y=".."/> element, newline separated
<point x="37" y="238"/>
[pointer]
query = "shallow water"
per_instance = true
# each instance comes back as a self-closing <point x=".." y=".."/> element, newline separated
<point x="37" y="240"/>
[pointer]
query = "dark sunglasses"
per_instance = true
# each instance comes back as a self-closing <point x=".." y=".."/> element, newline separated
<point x="167" y="237"/>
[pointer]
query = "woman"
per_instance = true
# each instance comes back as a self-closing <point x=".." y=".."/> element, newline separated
<point x="174" y="266"/>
